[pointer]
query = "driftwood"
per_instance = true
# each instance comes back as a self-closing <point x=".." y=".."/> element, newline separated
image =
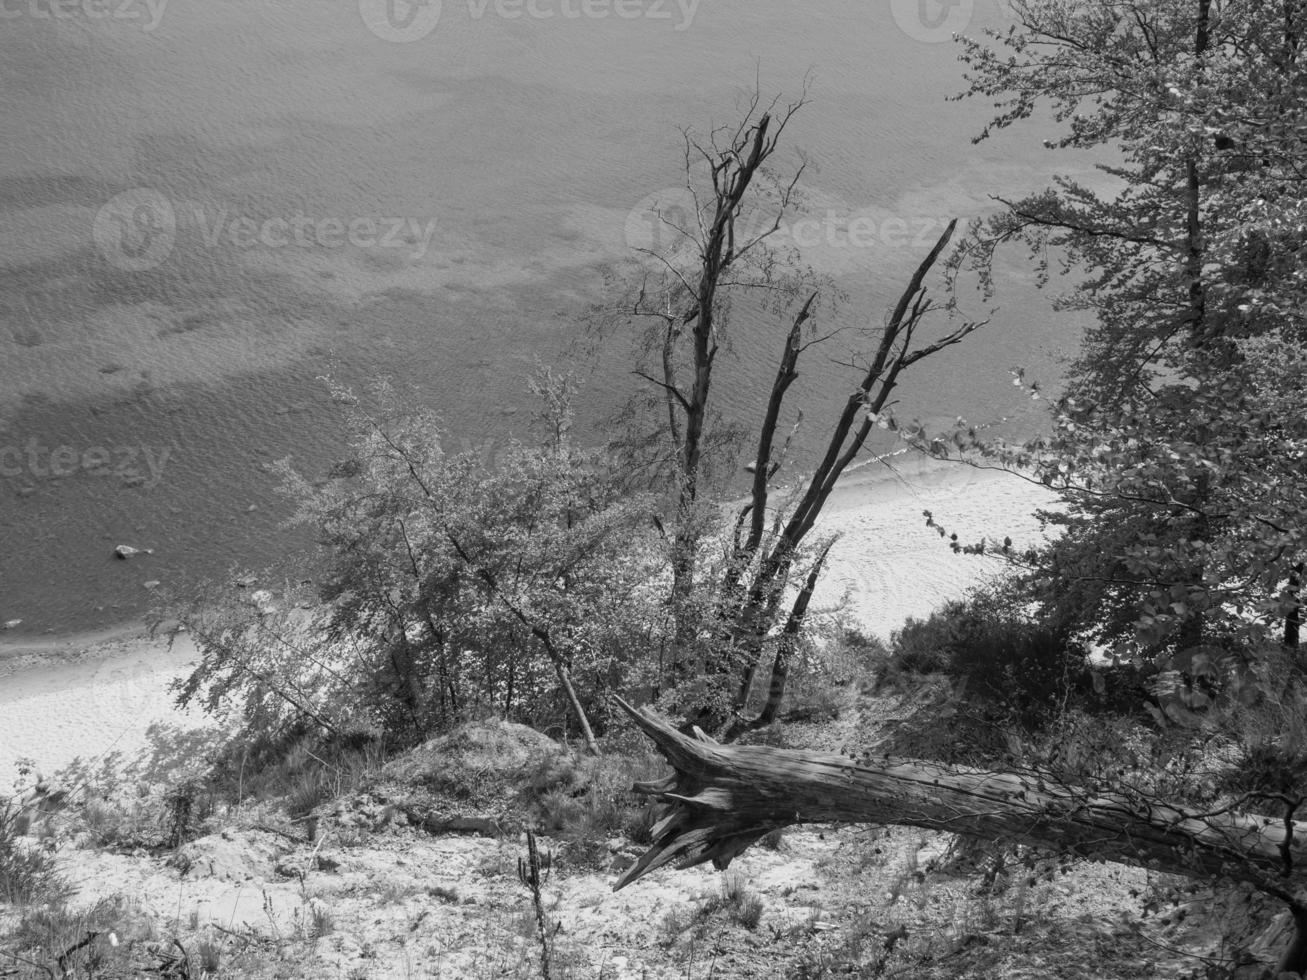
<point x="723" y="798"/>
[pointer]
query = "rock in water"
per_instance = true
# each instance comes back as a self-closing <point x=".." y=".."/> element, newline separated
<point x="125" y="551"/>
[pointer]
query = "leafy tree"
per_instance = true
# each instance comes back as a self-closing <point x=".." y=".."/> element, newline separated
<point x="1178" y="427"/>
<point x="1118" y="572"/>
<point x="452" y="585"/>
<point x="1176" y="249"/>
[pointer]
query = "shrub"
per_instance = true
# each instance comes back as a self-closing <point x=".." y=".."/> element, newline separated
<point x="828" y="661"/>
<point x="310" y="788"/>
<point x="639" y="825"/>
<point x="162" y="798"/>
<point x="735" y="901"/>
<point x="739" y="903"/>
<point x="27" y="872"/>
<point x="922" y="646"/>
<point x="53" y="929"/>
<point x="321" y="922"/>
<point x="209" y="955"/>
<point x="605" y="808"/>
<point x="1012" y="665"/>
<point x="299" y="769"/>
<point x="814" y="703"/>
<point x="453" y="587"/>
<point x="1022" y="669"/>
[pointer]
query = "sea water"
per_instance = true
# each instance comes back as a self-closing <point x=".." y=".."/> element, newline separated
<point x="210" y="205"/>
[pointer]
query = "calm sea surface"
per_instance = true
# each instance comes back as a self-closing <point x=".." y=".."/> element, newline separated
<point x="210" y="204"/>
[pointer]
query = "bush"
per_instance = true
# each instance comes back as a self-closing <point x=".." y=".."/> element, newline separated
<point x="830" y="660"/>
<point x="923" y="646"/>
<point x="739" y="903"/>
<point x="1011" y="665"/>
<point x="736" y="902"/>
<point x="602" y="806"/>
<point x="454" y="587"/>
<point x="299" y="769"/>
<point x="1021" y="669"/>
<point x="79" y="937"/>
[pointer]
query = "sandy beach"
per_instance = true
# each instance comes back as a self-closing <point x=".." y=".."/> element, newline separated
<point x="61" y="700"/>
<point x="92" y="694"/>
<point x="890" y="564"/>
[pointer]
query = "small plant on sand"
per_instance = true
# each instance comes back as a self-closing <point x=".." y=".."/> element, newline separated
<point x="27" y="872"/>
<point x="209" y="955"/>
<point x="741" y="905"/>
<point x="735" y="900"/>
<point x="62" y="941"/>
<point x="531" y="871"/>
<point x="320" y="922"/>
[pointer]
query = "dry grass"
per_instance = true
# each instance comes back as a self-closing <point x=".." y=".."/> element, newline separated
<point x="27" y="869"/>
<point x="825" y="903"/>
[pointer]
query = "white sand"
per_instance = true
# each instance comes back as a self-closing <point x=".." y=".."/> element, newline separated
<point x="87" y="696"/>
<point x="891" y="564"/>
<point x="75" y="698"/>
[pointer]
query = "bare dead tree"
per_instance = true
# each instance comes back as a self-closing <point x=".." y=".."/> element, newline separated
<point x="755" y="609"/>
<point x="688" y="316"/>
<point x="785" y="646"/>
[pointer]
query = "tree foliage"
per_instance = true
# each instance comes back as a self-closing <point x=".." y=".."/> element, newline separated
<point x="524" y="586"/>
<point x="1190" y="238"/>
<point x="1177" y="444"/>
<point x="1135" y="482"/>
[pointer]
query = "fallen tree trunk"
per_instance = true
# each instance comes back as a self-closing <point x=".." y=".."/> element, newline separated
<point x="722" y="798"/>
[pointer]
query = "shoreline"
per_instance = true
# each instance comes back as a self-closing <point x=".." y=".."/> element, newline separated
<point x="93" y="693"/>
<point x="100" y="700"/>
<point x="126" y="630"/>
<point x="20" y="655"/>
<point x="869" y="483"/>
